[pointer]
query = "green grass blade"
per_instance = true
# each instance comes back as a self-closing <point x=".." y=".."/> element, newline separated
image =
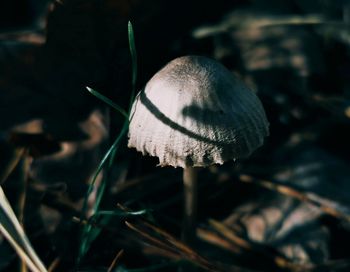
<point x="89" y="233"/>
<point x="123" y="213"/>
<point x="133" y="54"/>
<point x="14" y="233"/>
<point x="105" y="158"/>
<point x="108" y="101"/>
<point x="157" y="267"/>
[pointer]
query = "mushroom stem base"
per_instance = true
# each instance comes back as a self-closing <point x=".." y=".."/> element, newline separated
<point x="190" y="204"/>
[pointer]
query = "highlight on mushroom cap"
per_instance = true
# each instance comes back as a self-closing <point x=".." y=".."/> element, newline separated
<point x="194" y="112"/>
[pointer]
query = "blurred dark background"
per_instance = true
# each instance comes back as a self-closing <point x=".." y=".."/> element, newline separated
<point x="286" y="208"/>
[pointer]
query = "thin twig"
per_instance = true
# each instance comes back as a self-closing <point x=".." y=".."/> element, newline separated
<point x="304" y="197"/>
<point x="115" y="260"/>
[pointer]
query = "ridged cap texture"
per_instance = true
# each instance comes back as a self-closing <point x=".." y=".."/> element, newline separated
<point x="195" y="113"/>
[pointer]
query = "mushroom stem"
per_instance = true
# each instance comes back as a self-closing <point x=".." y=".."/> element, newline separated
<point x="190" y="204"/>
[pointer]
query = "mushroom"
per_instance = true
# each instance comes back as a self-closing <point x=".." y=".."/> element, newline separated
<point x="195" y="113"/>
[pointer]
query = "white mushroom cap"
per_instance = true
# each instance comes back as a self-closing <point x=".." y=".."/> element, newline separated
<point x="194" y="112"/>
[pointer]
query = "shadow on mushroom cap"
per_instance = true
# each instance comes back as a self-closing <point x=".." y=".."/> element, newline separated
<point x="203" y="117"/>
